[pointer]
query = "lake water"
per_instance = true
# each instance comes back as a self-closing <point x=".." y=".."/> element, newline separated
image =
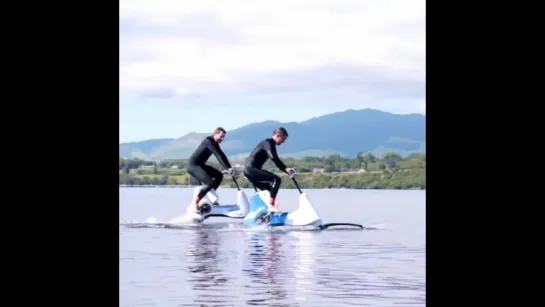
<point x="227" y="266"/>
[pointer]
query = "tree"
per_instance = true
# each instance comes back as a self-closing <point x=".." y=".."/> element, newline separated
<point x="331" y="159"/>
<point x="390" y="159"/>
<point x="365" y="159"/>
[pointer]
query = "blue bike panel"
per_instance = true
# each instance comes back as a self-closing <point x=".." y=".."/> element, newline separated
<point x="257" y="203"/>
<point x="258" y="208"/>
<point x="278" y="218"/>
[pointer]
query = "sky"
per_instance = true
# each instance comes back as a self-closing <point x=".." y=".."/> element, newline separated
<point x="189" y="65"/>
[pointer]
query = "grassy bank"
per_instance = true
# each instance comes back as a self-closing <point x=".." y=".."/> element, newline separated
<point x="364" y="171"/>
<point x="387" y="179"/>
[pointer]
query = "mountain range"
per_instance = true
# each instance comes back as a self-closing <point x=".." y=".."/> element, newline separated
<point x="345" y="133"/>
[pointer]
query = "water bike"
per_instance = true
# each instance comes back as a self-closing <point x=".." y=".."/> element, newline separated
<point x="304" y="215"/>
<point x="209" y="206"/>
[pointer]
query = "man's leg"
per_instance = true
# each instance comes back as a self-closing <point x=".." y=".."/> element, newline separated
<point x="193" y="181"/>
<point x="275" y="187"/>
<point x="217" y="176"/>
<point x="264" y="177"/>
<point x="200" y="173"/>
<point x="263" y="186"/>
<point x="254" y="178"/>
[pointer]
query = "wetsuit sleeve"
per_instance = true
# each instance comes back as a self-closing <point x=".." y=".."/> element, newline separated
<point x="216" y="150"/>
<point x="271" y="151"/>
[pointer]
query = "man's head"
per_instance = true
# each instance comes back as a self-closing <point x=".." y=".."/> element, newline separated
<point x="279" y="135"/>
<point x="219" y="134"/>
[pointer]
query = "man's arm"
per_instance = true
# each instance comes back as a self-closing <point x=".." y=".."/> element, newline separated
<point x="271" y="151"/>
<point x="216" y="150"/>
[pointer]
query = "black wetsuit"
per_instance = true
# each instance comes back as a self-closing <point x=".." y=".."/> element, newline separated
<point x="208" y="175"/>
<point x="263" y="179"/>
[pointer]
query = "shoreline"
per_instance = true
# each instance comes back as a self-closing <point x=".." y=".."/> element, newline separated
<point x="333" y="172"/>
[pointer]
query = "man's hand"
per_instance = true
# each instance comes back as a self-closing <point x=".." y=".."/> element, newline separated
<point x="291" y="171"/>
<point x="230" y="171"/>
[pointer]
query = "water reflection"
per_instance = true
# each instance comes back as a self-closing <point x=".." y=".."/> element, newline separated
<point x="305" y="253"/>
<point x="263" y="267"/>
<point x="206" y="275"/>
<point x="340" y="277"/>
<point x="381" y="276"/>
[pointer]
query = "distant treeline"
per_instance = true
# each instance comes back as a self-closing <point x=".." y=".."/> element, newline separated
<point x="391" y="171"/>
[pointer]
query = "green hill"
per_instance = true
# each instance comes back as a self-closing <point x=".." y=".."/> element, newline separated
<point x="345" y="133"/>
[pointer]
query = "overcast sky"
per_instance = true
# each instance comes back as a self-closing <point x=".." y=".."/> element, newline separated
<point x="195" y="65"/>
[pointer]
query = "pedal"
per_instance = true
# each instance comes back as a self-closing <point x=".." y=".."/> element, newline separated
<point x="266" y="218"/>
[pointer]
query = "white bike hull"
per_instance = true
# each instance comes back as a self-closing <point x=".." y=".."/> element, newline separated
<point x="208" y="209"/>
<point x="305" y="215"/>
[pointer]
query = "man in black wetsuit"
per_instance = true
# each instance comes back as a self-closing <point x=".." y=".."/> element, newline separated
<point x="263" y="179"/>
<point x="208" y="175"/>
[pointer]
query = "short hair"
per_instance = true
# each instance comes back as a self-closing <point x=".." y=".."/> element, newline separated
<point x="280" y="130"/>
<point x="219" y="129"/>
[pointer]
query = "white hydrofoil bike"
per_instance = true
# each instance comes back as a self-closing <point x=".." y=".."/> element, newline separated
<point x="304" y="215"/>
<point x="209" y="206"/>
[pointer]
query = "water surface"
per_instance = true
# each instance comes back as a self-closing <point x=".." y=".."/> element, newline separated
<point x="224" y="265"/>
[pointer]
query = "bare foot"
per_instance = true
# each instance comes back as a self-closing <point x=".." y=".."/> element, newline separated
<point x="193" y="208"/>
<point x="272" y="208"/>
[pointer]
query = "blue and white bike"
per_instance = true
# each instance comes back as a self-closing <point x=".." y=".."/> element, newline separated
<point x="304" y="215"/>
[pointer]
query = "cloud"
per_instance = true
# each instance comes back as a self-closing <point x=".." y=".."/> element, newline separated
<point x="175" y="48"/>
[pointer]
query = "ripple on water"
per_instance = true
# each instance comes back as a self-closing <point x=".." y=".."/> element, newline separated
<point x="224" y="266"/>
